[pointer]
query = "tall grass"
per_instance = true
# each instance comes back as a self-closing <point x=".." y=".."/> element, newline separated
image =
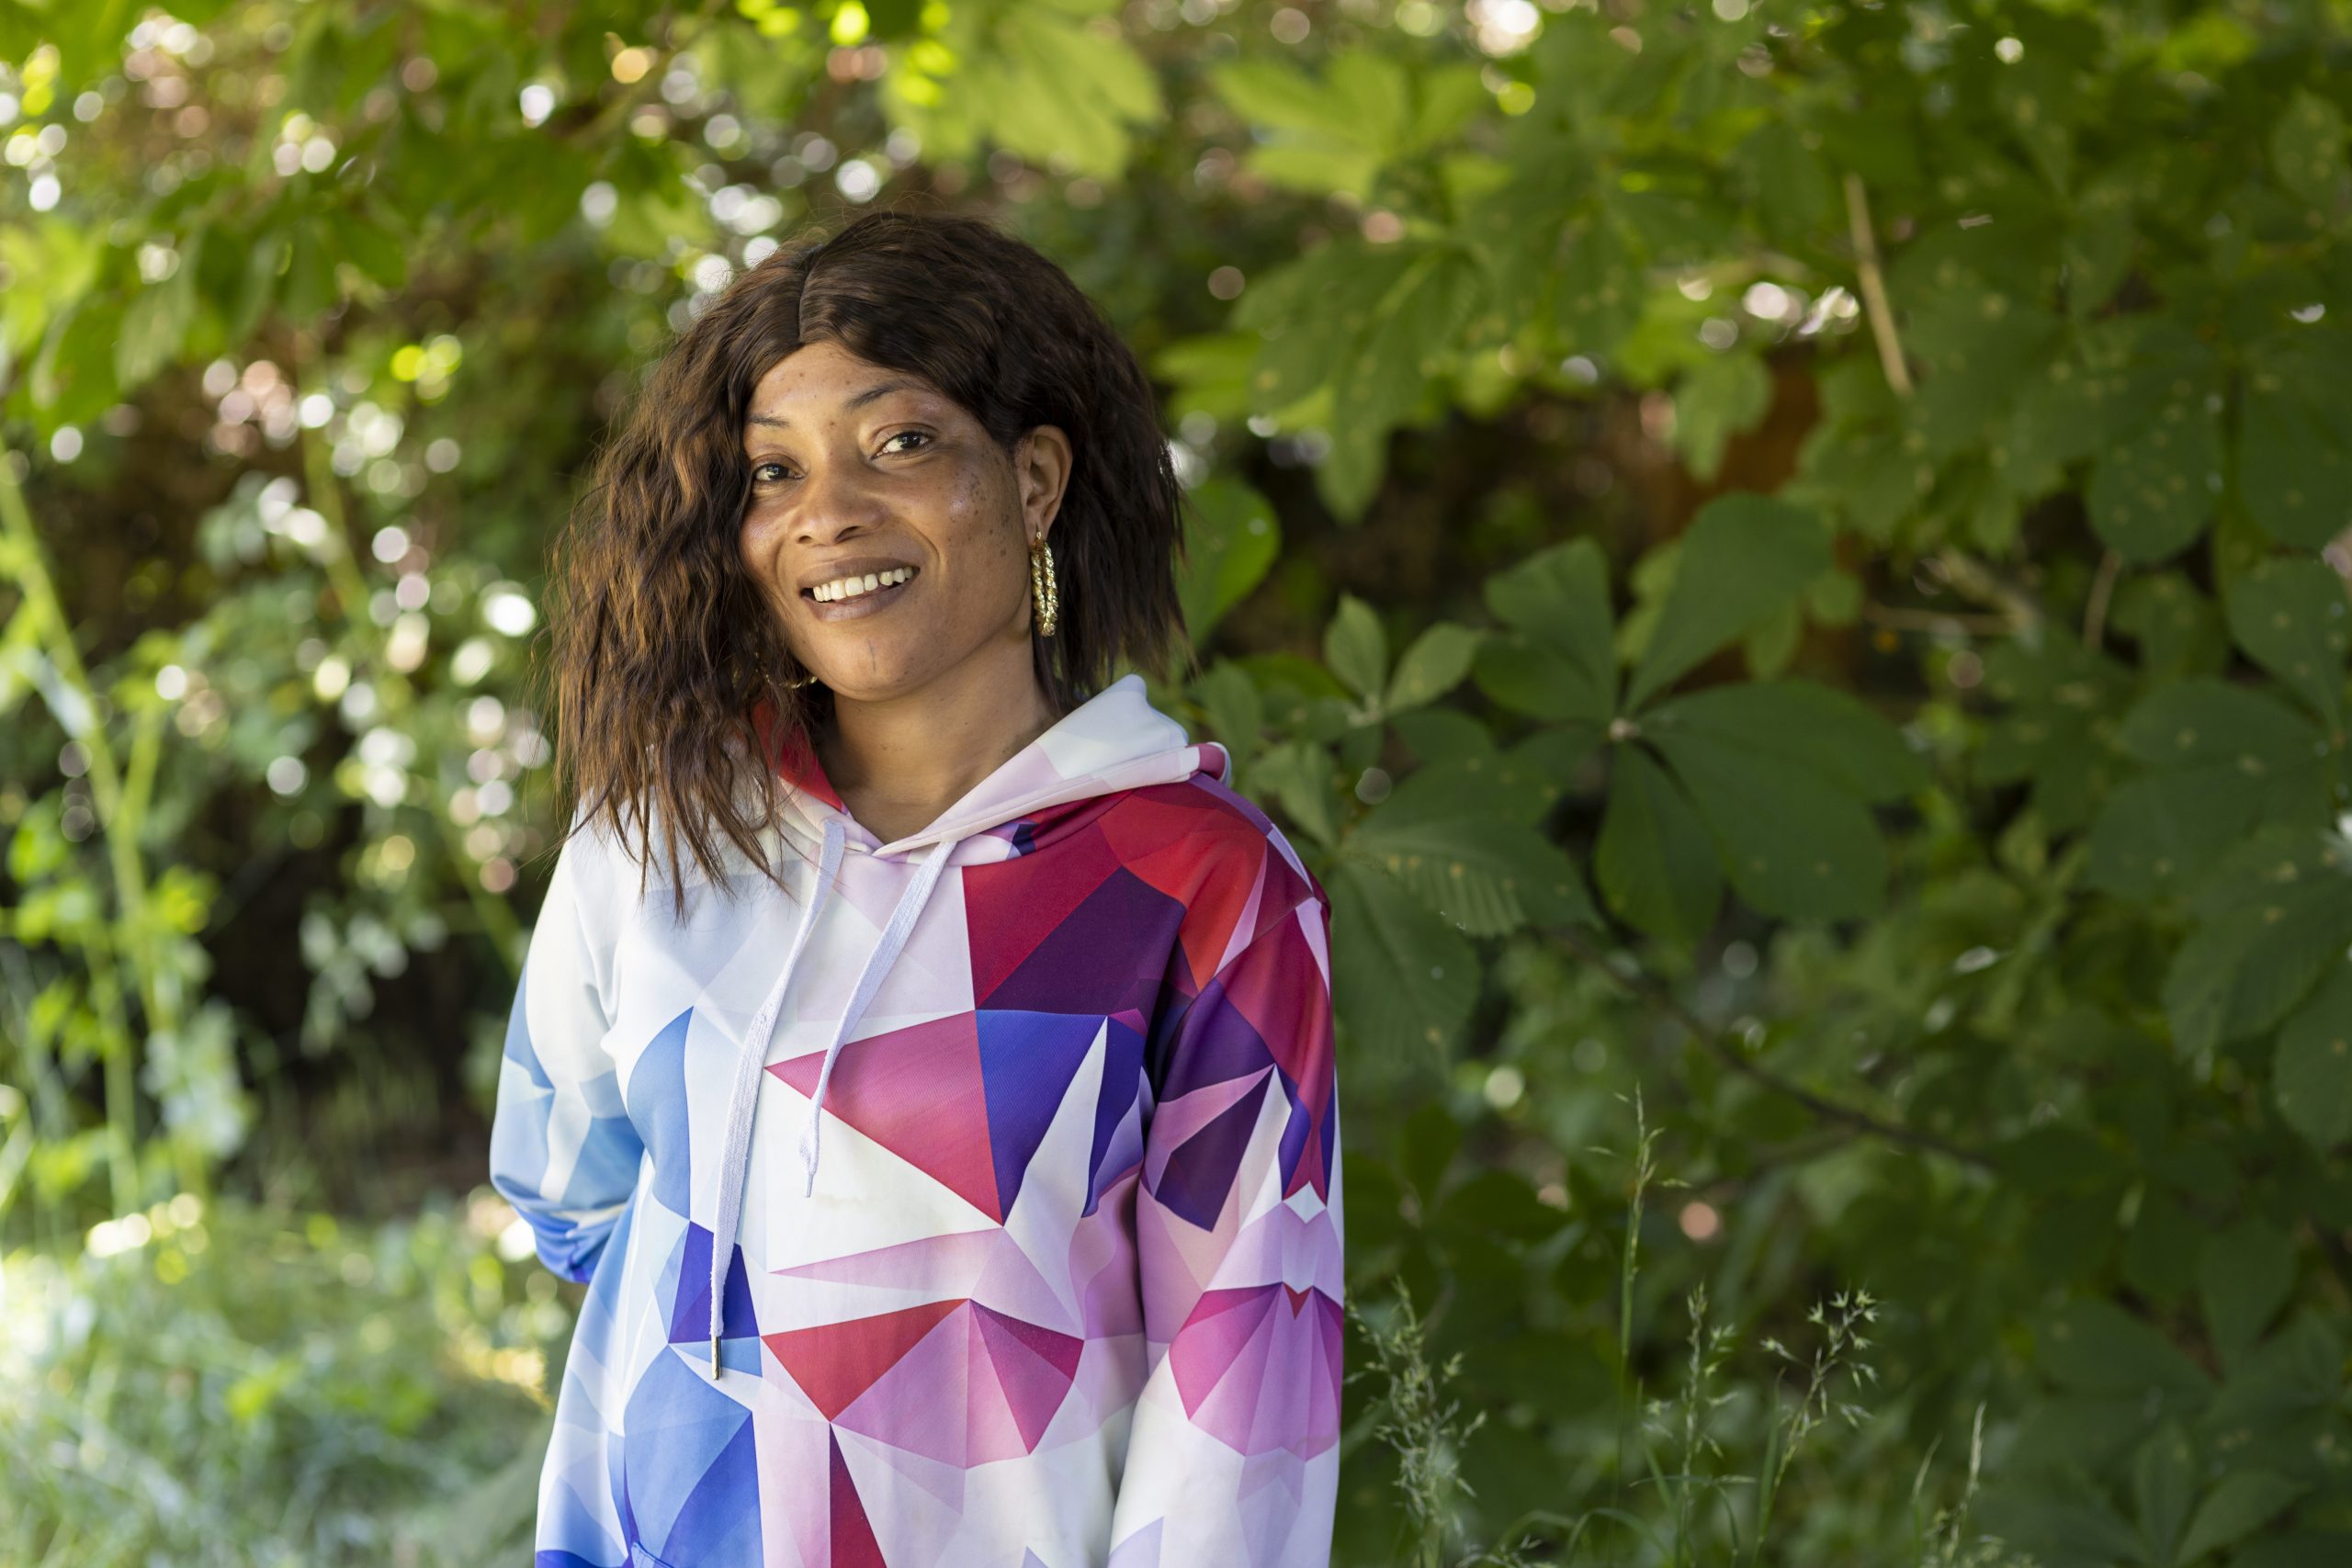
<point x="1690" y="1487"/>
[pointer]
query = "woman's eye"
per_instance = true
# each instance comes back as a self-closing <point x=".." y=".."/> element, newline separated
<point x="923" y="435"/>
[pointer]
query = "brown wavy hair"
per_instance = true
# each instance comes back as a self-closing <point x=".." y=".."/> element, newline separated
<point x="664" y="657"/>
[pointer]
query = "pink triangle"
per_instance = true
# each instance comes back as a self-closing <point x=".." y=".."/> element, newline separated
<point x="1221" y="1331"/>
<point x="912" y="1407"/>
<point x="835" y="1363"/>
<point x="1033" y="1368"/>
<point x="914" y="1090"/>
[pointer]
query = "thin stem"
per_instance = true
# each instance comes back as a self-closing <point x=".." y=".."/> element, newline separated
<point x="1896" y="618"/>
<point x="2102" y="589"/>
<point x="118" y="810"/>
<point x="1874" y="288"/>
<point x="1646" y="987"/>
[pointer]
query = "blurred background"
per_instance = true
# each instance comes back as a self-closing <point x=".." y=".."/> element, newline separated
<point x="1783" y="562"/>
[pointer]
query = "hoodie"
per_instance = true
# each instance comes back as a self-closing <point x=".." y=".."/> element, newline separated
<point x="975" y="1206"/>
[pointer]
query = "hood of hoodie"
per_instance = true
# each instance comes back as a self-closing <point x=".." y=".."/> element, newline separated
<point x="1115" y="741"/>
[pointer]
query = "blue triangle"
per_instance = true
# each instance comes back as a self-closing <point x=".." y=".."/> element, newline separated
<point x="690" y="1307"/>
<point x="1027" y="1060"/>
<point x="656" y="1103"/>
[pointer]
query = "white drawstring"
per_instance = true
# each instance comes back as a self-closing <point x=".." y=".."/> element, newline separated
<point x="878" y="965"/>
<point x="735" y="1160"/>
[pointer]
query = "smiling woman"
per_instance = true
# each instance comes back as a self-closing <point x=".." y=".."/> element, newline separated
<point x="986" y="924"/>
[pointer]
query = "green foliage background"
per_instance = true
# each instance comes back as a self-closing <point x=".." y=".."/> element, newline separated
<point x="1785" y="560"/>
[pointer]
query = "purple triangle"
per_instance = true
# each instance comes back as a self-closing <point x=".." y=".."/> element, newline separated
<point x="1122" y="1078"/>
<point x="1199" y="1171"/>
<point x="1096" y="960"/>
<point x="1027" y="1060"/>
<point x="1215" y="1044"/>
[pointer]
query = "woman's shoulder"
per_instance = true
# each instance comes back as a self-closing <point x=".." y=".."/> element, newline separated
<point x="1235" y="846"/>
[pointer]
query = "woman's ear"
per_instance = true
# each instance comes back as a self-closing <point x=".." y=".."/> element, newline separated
<point x="1041" y="467"/>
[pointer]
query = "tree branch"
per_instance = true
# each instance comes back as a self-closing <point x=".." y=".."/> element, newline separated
<point x="1646" y="987"/>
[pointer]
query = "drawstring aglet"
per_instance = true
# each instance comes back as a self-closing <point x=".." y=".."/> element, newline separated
<point x="714" y="1357"/>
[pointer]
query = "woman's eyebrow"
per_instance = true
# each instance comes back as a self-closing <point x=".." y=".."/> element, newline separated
<point x="853" y="401"/>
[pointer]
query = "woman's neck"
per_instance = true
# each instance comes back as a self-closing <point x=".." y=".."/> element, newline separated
<point x="898" y="764"/>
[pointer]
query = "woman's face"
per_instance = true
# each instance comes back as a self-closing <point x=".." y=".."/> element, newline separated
<point x="863" y="472"/>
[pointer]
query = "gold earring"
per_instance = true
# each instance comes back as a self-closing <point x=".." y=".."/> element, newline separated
<point x="809" y="679"/>
<point x="1042" y="595"/>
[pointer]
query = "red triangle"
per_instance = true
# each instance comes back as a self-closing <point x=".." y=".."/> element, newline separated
<point x="915" y="1092"/>
<point x="835" y="1363"/>
<point x="1011" y="905"/>
<point x="854" y="1545"/>
<point x="1201" y="855"/>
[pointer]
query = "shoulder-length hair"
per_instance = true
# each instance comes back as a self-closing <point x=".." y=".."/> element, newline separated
<point x="667" y="666"/>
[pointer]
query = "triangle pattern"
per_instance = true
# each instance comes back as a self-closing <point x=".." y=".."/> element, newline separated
<point x="835" y="1363"/>
<point x="912" y="1091"/>
<point x="1027" y="1060"/>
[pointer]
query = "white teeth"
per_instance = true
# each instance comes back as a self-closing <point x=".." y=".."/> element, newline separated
<point x="851" y="586"/>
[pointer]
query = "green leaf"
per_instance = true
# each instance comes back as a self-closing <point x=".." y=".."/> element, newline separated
<point x="1718" y="397"/>
<point x="1598" y="289"/>
<point x="2242" y="1503"/>
<point x="156" y="323"/>
<point x="1487" y="873"/>
<point x="1299" y="774"/>
<point x="2307" y="149"/>
<point x="1235" y="714"/>
<point x="2244" y="1275"/>
<point x="2094" y="1347"/>
<point x="1800" y="722"/>
<point x="2225" y="757"/>
<point x="2210" y="723"/>
<point x="2164" y="1477"/>
<point x="1046" y="85"/>
<point x="2290" y="616"/>
<point x="1231" y="539"/>
<point x="2275" y="916"/>
<point x="1356" y="648"/>
<point x="2153" y="493"/>
<point x="2159" y="832"/>
<point x="1310" y="314"/>
<point x="1744" y="556"/>
<point x="1432" y="666"/>
<point x="1793" y="843"/>
<point x="1559" y="599"/>
<point x="1402" y="979"/>
<point x="1657" y="868"/>
<point x="2312" y="1072"/>
<point x="2293" y="427"/>
<point x="2178" y="630"/>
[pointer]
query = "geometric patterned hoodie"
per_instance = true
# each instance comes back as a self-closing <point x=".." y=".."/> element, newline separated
<point x="976" y="1206"/>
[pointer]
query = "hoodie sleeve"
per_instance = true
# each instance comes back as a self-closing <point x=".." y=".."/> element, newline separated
<point x="1233" y="1456"/>
<point x="562" y="1149"/>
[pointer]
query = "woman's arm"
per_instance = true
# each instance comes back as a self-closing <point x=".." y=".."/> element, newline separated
<point x="1233" y="1458"/>
<point x="562" y="1149"/>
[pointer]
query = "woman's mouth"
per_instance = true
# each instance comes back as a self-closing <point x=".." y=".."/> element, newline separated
<point x="847" y="598"/>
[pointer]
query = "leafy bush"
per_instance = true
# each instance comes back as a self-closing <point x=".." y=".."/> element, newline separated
<point x="222" y="1383"/>
<point x="1788" y="557"/>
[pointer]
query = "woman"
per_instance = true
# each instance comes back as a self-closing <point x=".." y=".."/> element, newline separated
<point x="947" y="1138"/>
